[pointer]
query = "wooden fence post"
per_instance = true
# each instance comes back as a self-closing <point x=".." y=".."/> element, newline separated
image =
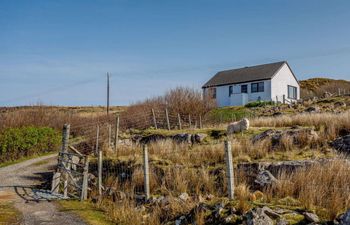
<point x="109" y="127"/>
<point x="97" y="137"/>
<point x="189" y="120"/>
<point x="116" y="133"/>
<point x="338" y="91"/>
<point x="65" y="137"/>
<point x="229" y="172"/>
<point x="146" y="172"/>
<point x="84" y="188"/>
<point x="100" y="172"/>
<point x="154" y="119"/>
<point x="179" y="121"/>
<point x="200" y="122"/>
<point x="167" y="118"/>
<point x="284" y="99"/>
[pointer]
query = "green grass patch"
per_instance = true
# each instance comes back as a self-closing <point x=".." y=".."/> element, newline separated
<point x="228" y="114"/>
<point x="86" y="211"/>
<point x="259" y="104"/>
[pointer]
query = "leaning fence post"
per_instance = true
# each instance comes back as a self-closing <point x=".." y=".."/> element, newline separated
<point x="116" y="133"/>
<point x="167" y="118"/>
<point x="154" y="119"/>
<point x="100" y="172"/>
<point x="84" y="188"/>
<point x="179" y="120"/>
<point x="229" y="165"/>
<point x="146" y="171"/>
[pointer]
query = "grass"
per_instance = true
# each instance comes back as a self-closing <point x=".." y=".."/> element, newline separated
<point x="9" y="214"/>
<point x="87" y="211"/>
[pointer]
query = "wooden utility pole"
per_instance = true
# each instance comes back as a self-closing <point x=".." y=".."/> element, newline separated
<point x="107" y="93"/>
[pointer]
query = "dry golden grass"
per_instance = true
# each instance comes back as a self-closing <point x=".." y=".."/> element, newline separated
<point x="324" y="188"/>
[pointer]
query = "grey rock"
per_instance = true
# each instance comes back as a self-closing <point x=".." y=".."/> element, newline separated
<point x="257" y="216"/>
<point x="312" y="109"/>
<point x="339" y="104"/>
<point x="182" y="138"/>
<point x="344" y="219"/>
<point x="277" y="114"/>
<point x="271" y="213"/>
<point x="281" y="222"/>
<point x="264" y="179"/>
<point x="184" y="196"/>
<point x="311" y="217"/>
<point x="342" y="144"/>
<point x="198" y="138"/>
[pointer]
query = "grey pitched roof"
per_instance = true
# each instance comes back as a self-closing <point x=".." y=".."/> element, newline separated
<point x="245" y="74"/>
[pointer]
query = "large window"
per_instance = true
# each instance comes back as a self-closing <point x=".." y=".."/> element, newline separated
<point x="257" y="87"/>
<point x="244" y="88"/>
<point x="230" y="90"/>
<point x="292" y="92"/>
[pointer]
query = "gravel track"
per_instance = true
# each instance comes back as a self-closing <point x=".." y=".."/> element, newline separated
<point x="20" y="179"/>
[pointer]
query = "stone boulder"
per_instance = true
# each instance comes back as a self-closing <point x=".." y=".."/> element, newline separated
<point x="198" y="138"/>
<point x="312" y="109"/>
<point x="182" y="138"/>
<point x="257" y="216"/>
<point x="238" y="126"/>
<point x="311" y="217"/>
<point x="344" y="219"/>
<point x="339" y="104"/>
<point x="264" y="179"/>
<point x="294" y="133"/>
<point x="342" y="144"/>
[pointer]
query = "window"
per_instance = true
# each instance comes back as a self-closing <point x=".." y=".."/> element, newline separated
<point x="244" y="88"/>
<point x="292" y="92"/>
<point x="213" y="90"/>
<point x="230" y="90"/>
<point x="257" y="87"/>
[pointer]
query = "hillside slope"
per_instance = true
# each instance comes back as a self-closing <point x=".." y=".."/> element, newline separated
<point x="316" y="87"/>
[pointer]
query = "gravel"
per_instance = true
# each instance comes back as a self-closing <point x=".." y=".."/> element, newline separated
<point x="23" y="179"/>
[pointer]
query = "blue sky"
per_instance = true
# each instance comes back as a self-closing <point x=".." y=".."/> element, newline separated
<point x="58" y="52"/>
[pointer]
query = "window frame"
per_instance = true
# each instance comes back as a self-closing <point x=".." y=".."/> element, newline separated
<point x="294" y="92"/>
<point x="246" y="88"/>
<point x="260" y="87"/>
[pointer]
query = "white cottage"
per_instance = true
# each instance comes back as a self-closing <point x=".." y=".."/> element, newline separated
<point x="268" y="82"/>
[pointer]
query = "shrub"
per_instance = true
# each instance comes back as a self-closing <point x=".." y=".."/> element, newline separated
<point x="27" y="141"/>
<point x="258" y="104"/>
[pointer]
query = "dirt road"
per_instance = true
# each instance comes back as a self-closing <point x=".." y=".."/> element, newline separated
<point x="19" y="184"/>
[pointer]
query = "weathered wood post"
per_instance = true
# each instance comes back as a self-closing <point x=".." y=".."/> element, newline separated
<point x="84" y="188"/>
<point x="276" y="99"/>
<point x="154" y="120"/>
<point x="65" y="137"/>
<point x="109" y="127"/>
<point x="116" y="133"/>
<point x="146" y="171"/>
<point x="229" y="172"/>
<point x="189" y="121"/>
<point x="97" y="137"/>
<point x="65" y="140"/>
<point x="200" y="122"/>
<point x="339" y="92"/>
<point x="100" y="172"/>
<point x="284" y="99"/>
<point x="167" y="118"/>
<point x="179" y="121"/>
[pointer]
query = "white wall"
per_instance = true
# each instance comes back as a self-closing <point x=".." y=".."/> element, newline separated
<point x="223" y="98"/>
<point x="280" y="82"/>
